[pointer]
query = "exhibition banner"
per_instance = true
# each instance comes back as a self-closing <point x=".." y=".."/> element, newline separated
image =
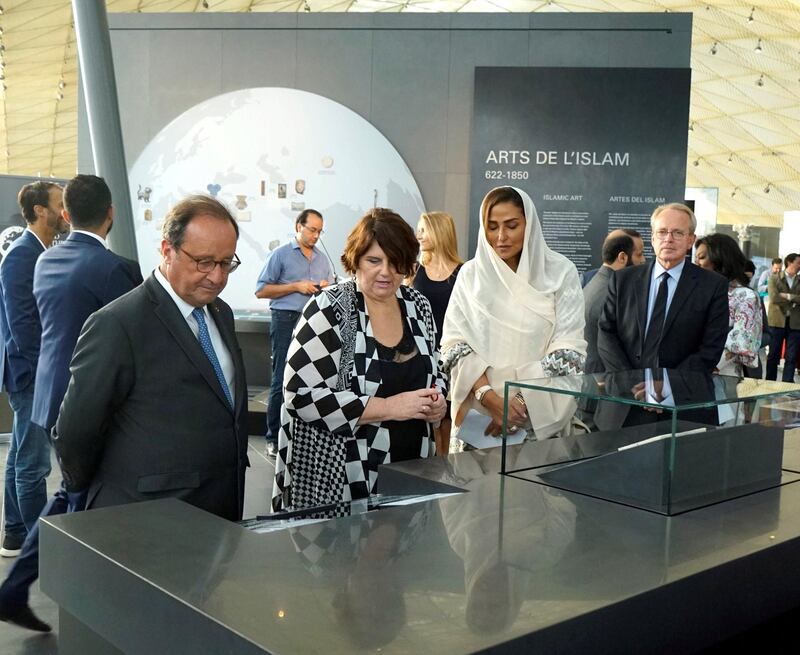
<point x="595" y="148"/>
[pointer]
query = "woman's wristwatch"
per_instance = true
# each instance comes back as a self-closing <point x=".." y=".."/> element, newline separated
<point x="480" y="392"/>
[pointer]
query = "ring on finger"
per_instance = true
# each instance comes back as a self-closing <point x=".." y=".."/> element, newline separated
<point x="512" y="428"/>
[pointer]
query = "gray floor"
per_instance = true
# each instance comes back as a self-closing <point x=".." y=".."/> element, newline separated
<point x="15" y="641"/>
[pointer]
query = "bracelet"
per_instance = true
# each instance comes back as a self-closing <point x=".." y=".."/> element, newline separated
<point x="480" y="392"/>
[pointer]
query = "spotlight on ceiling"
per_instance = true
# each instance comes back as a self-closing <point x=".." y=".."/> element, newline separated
<point x="714" y="48"/>
<point x="733" y="193"/>
<point x="691" y="126"/>
<point x="306" y="7"/>
<point x="730" y="158"/>
<point x="61" y="84"/>
<point x="767" y="188"/>
<point x="2" y="11"/>
<point x="758" y="47"/>
<point x="205" y="4"/>
<point x="696" y="162"/>
<point x="750" y="18"/>
<point x="760" y="80"/>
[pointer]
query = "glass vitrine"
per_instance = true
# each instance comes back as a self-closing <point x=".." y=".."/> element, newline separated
<point x="662" y="440"/>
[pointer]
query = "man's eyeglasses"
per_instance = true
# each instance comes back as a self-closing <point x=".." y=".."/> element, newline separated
<point x="662" y="235"/>
<point x="208" y="265"/>
<point x="313" y="230"/>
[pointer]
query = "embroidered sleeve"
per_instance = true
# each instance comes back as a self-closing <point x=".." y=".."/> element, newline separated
<point x="563" y="362"/>
<point x="567" y="349"/>
<point x="312" y="373"/>
<point x="451" y="356"/>
<point x="744" y="338"/>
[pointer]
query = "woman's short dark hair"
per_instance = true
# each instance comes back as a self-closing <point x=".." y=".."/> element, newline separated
<point x="498" y="196"/>
<point x="725" y="256"/>
<point x="395" y="237"/>
<point x="178" y="218"/>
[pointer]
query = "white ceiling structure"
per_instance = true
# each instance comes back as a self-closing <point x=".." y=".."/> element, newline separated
<point x="744" y="132"/>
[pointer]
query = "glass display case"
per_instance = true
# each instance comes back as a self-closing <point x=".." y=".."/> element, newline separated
<point x="662" y="440"/>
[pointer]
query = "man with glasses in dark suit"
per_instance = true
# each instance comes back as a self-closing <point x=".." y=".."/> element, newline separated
<point x="292" y="274"/>
<point x="670" y="313"/>
<point x="156" y="405"/>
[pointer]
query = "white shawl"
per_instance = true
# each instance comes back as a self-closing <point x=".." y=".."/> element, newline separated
<point x="512" y="320"/>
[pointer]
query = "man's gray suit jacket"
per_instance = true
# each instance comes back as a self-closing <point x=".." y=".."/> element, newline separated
<point x="594" y="298"/>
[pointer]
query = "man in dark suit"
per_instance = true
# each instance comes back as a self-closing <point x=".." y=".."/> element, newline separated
<point x="155" y="407"/>
<point x="70" y="283"/>
<point x="670" y="313"/>
<point x="28" y="463"/>
<point x="617" y="254"/>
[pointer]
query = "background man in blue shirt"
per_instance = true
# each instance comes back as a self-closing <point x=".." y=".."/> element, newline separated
<point x="292" y="274"/>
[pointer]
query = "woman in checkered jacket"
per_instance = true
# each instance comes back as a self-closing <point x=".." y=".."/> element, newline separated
<point x="362" y="385"/>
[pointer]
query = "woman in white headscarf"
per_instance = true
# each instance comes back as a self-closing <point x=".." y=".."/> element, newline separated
<point x="516" y="313"/>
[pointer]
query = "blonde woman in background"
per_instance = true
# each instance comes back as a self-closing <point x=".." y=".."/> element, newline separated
<point x="435" y="278"/>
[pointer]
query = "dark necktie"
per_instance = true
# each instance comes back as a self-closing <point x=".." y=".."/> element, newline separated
<point x="208" y="348"/>
<point x="652" y="340"/>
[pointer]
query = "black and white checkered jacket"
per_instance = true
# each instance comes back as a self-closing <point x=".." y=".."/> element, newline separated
<point x="332" y="370"/>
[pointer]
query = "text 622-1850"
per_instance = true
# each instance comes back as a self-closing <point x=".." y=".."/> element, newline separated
<point x="506" y="175"/>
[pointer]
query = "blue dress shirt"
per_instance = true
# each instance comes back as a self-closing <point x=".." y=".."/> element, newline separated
<point x="288" y="264"/>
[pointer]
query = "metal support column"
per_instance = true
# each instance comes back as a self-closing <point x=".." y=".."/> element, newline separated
<point x="105" y="129"/>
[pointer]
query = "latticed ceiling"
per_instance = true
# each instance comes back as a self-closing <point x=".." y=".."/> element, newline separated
<point x="744" y="134"/>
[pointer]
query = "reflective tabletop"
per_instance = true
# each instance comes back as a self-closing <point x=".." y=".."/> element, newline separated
<point x="481" y="569"/>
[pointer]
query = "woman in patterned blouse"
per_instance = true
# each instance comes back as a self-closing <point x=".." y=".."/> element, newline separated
<point x="720" y="253"/>
<point x="362" y="385"/>
<point x="516" y="313"/>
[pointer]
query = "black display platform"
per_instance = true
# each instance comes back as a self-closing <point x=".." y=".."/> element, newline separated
<point x="509" y="566"/>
